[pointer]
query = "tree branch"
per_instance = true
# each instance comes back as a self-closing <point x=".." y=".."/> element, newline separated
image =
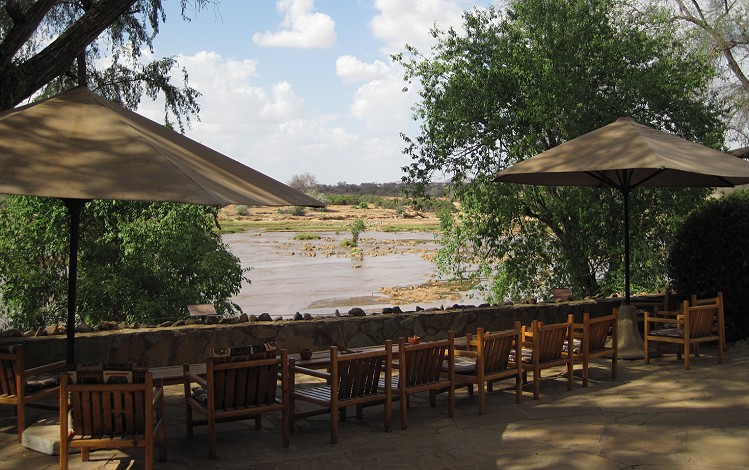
<point x="24" y="25"/>
<point x="58" y="56"/>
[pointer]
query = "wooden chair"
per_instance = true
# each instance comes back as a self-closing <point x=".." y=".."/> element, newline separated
<point x="238" y="390"/>
<point x="693" y="326"/>
<point x="108" y="416"/>
<point x="486" y="361"/>
<point x="589" y="340"/>
<point x="542" y="348"/>
<point x="718" y="302"/>
<point x="23" y="387"/>
<point x="353" y="380"/>
<point x="420" y="370"/>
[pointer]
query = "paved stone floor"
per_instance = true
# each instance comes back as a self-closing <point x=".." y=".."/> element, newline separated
<point x="652" y="416"/>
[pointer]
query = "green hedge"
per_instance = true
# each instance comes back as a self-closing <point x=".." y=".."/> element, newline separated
<point x="711" y="253"/>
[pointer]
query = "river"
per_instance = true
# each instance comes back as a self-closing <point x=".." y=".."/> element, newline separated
<point x="319" y="276"/>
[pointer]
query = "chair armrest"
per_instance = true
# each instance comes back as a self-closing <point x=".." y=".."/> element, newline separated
<point x="158" y="397"/>
<point x="44" y="368"/>
<point x="312" y="372"/>
<point x="669" y="321"/>
<point x="190" y="378"/>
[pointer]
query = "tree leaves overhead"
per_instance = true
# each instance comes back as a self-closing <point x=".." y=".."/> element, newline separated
<point x="45" y="46"/>
<point x="522" y="81"/>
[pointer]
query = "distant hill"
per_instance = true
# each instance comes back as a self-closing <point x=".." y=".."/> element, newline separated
<point x="377" y="189"/>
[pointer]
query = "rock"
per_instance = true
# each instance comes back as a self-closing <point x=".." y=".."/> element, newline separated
<point x="337" y="313"/>
<point x="308" y="316"/>
<point x="386" y="310"/>
<point x="484" y="305"/>
<point x="193" y="321"/>
<point x="179" y="323"/>
<point x="419" y="309"/>
<point x="357" y="312"/>
<point x="278" y="318"/>
<point x="164" y="324"/>
<point x="107" y="326"/>
<point x="229" y="321"/>
<point x="41" y="331"/>
<point x="121" y="325"/>
<point x="211" y="320"/>
<point x="51" y="330"/>
<point x="253" y="318"/>
<point x="265" y="316"/>
<point x="298" y="316"/>
<point x="133" y="326"/>
<point x="28" y="334"/>
<point x="12" y="333"/>
<point x="397" y="309"/>
<point x="243" y="318"/>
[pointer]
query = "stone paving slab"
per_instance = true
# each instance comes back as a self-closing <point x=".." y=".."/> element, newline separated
<point x="652" y="416"/>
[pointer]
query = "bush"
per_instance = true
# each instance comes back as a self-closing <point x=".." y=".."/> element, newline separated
<point x="296" y="210"/>
<point x="306" y="236"/>
<point x="357" y="227"/>
<point x="711" y="253"/>
<point x="242" y="210"/>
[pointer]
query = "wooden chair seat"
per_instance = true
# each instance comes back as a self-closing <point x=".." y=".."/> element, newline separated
<point x="487" y="361"/>
<point x="112" y="416"/>
<point x="546" y="346"/>
<point x="238" y="390"/>
<point x="420" y="370"/>
<point x="595" y="338"/>
<point x="354" y="380"/>
<point x="21" y="387"/>
<point x="692" y="326"/>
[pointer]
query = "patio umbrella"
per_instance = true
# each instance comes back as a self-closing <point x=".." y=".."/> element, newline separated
<point x="626" y="155"/>
<point x="77" y="146"/>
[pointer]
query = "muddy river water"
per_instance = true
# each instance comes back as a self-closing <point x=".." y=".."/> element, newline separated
<point x="320" y="276"/>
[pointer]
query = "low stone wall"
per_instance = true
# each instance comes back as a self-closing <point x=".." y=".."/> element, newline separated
<point x="190" y="344"/>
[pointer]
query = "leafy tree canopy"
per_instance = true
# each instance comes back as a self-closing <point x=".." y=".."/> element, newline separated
<point x="139" y="262"/>
<point x="522" y="81"/>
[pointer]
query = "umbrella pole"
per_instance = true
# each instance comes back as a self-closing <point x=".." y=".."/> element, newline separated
<point x="629" y="344"/>
<point x="74" y="211"/>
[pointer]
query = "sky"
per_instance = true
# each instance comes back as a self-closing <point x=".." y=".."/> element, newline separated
<point x="304" y="86"/>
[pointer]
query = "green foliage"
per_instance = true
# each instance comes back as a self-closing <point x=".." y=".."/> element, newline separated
<point x="306" y="236"/>
<point x="357" y="227"/>
<point x="241" y="209"/>
<point x="711" y="253"/>
<point x="523" y="81"/>
<point x="294" y="210"/>
<point x="138" y="261"/>
<point x="348" y="243"/>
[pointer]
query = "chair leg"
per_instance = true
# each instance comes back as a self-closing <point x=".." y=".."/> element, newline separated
<point x="149" y="455"/>
<point x="536" y="384"/>
<point x="518" y="388"/>
<point x="212" y="438"/>
<point x="188" y="419"/>
<point x="285" y="424"/>
<point x="482" y="397"/>
<point x="686" y="356"/>
<point x="586" y="364"/>
<point x="85" y="454"/>
<point x="613" y="366"/>
<point x="451" y="401"/>
<point x="720" y="352"/>
<point x="646" y="358"/>
<point x="21" y="412"/>
<point x="404" y="410"/>
<point x="258" y="422"/>
<point x="334" y="426"/>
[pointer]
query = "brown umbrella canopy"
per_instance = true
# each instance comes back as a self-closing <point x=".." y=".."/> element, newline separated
<point x="78" y="145"/>
<point x="626" y="154"/>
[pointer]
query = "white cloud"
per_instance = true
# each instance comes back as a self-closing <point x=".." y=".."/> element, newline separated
<point x="301" y="27"/>
<point x="351" y="69"/>
<point x="400" y="23"/>
<point x="383" y="107"/>
<point x="285" y="104"/>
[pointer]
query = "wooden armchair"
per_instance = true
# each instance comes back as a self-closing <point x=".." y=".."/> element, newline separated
<point x="542" y="348"/>
<point x="23" y="387"/>
<point x="238" y="390"/>
<point x="112" y="415"/>
<point x="718" y="302"/>
<point x="353" y="380"/>
<point x="694" y="325"/>
<point x="420" y="370"/>
<point x="486" y="361"/>
<point x="589" y="340"/>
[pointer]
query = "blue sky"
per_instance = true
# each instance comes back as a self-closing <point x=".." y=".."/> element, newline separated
<point x="304" y="86"/>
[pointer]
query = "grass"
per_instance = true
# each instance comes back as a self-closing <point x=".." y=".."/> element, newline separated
<point x="306" y="236"/>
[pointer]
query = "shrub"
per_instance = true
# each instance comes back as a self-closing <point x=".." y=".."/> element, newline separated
<point x="296" y="210"/>
<point x="357" y="227"/>
<point x="242" y="209"/>
<point x="711" y="253"/>
<point x="306" y="236"/>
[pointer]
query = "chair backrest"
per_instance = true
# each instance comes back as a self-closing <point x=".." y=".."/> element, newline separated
<point x="494" y="348"/>
<point x="109" y="409"/>
<point x="598" y="330"/>
<point x="358" y="374"/>
<point x="11" y="361"/>
<point x="245" y="383"/>
<point x="548" y="340"/>
<point x="700" y="319"/>
<point x="421" y="363"/>
<point x="717" y="300"/>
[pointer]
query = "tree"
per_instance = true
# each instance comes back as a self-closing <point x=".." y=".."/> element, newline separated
<point x="523" y="81"/>
<point x="304" y="182"/>
<point x="139" y="261"/>
<point x="722" y="27"/>
<point x="51" y="45"/>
